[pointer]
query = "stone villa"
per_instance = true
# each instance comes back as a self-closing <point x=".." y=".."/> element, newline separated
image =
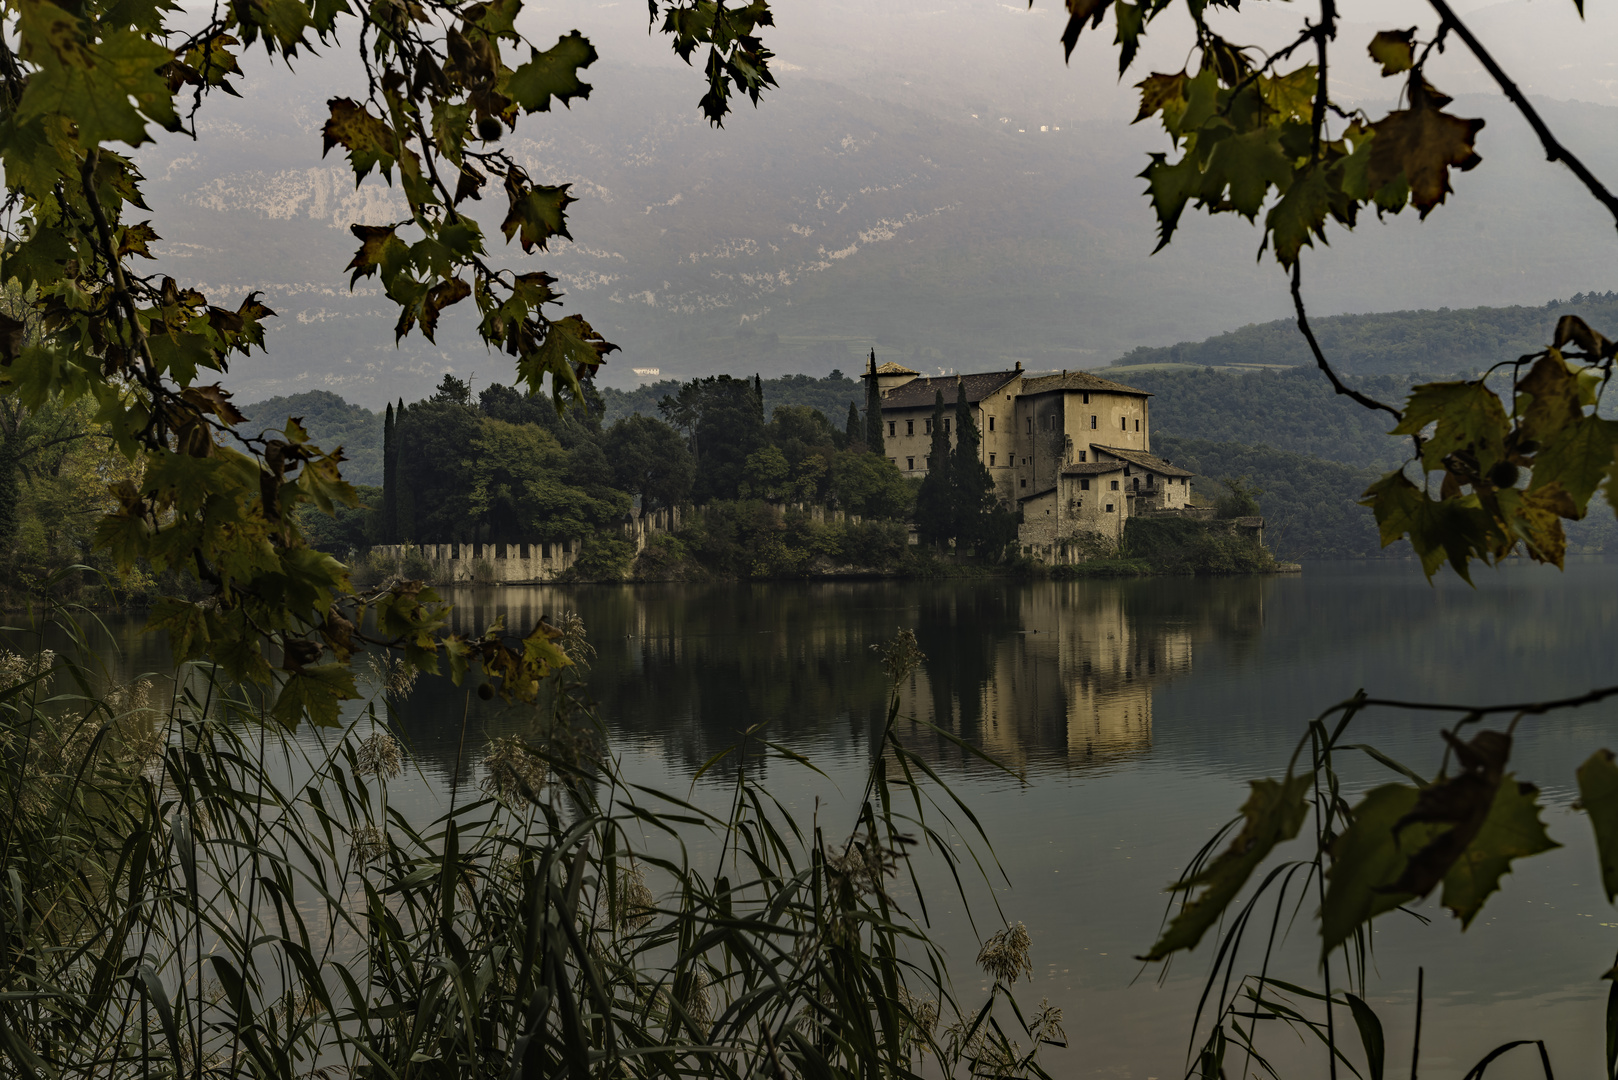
<point x="1070" y="449"/>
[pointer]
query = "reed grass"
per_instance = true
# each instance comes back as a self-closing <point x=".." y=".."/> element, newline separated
<point x="189" y="891"/>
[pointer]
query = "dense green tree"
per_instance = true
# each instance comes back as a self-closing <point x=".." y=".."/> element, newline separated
<point x="435" y="446"/>
<point x="722" y="418"/>
<point x="523" y="487"/>
<point x="853" y="431"/>
<point x="767" y="475"/>
<point x="650" y="459"/>
<point x="831" y="394"/>
<point x="871" y="486"/>
<point x="935" y="511"/>
<point x="452" y="391"/>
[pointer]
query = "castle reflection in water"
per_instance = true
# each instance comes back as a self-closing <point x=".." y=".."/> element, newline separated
<point x="1072" y="682"/>
<point x="1041" y="675"/>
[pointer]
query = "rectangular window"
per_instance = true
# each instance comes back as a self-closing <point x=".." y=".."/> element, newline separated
<point x="1082" y="453"/>
<point x="991" y="459"/>
<point x="1092" y="423"/>
<point x="1115" y="485"/>
<point x="1030" y="425"/>
<point x="910" y="463"/>
<point x="927" y="427"/>
<point x="1024" y="483"/>
<point x="1123" y="423"/>
<point x="1149" y="479"/>
<point x="991" y="423"/>
<point x="1137" y="425"/>
<point x="1087" y="399"/>
<point x="910" y="427"/>
<point x="946" y="427"/>
<point x="1109" y="508"/>
<point x="892" y="427"/>
<point x="1084" y="484"/>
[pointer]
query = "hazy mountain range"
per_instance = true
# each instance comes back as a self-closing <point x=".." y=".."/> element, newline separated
<point x="928" y="181"/>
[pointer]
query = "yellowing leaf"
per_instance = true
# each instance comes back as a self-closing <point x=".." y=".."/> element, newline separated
<point x="1394" y="50"/>
<point x="1468" y="416"/>
<point x="1423" y="143"/>
<point x="1273" y="812"/>
<point x="1598" y="793"/>
<point x="1512" y="830"/>
<point x="1161" y="93"/>
<point x="1547" y="397"/>
<point x="1576" y="457"/>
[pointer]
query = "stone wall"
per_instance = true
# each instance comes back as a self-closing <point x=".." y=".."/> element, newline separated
<point x="505" y="564"/>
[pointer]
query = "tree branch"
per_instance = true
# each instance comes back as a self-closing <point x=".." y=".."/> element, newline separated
<point x="1320" y="357"/>
<point x="1554" y="150"/>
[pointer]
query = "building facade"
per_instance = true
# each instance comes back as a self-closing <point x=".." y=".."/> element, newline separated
<point x="1071" y="450"/>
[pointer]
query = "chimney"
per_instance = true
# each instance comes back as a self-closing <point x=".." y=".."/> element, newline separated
<point x="1019" y="365"/>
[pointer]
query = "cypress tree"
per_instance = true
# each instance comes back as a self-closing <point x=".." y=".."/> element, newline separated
<point x="972" y="505"/>
<point x="405" y="507"/>
<point x="758" y="392"/>
<point x="934" y="519"/>
<point x="390" y="482"/>
<point x="874" y="443"/>
<point x="854" y="429"/>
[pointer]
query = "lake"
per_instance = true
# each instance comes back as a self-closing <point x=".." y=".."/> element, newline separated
<point x="1134" y="712"/>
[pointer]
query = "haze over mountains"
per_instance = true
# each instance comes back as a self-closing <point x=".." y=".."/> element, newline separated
<point x="929" y="180"/>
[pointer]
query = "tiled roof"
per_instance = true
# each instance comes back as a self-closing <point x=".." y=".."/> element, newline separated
<point x="1144" y="460"/>
<point x="1077" y="380"/>
<point x="890" y="368"/>
<point x="1036" y="494"/>
<point x="1091" y="468"/>
<point x="919" y="392"/>
<point x="1250" y="522"/>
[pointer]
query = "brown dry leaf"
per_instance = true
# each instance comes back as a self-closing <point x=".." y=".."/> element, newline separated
<point x="1423" y="142"/>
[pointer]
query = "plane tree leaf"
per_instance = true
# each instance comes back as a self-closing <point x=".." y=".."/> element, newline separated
<point x="1422" y="144"/>
<point x="1273" y="813"/>
<point x="1395" y="50"/>
<point x="1510" y="830"/>
<point x="1598" y="795"/>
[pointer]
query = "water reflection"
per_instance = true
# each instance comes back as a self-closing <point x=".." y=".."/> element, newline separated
<point x="1042" y="676"/>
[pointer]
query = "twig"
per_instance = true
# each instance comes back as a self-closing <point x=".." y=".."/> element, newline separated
<point x="1535" y="708"/>
<point x="1554" y="150"/>
<point x="1320" y="357"/>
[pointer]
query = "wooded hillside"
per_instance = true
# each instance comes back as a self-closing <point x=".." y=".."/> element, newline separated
<point x="1447" y="340"/>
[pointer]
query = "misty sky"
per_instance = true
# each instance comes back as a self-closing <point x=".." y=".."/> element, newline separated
<point x="970" y="160"/>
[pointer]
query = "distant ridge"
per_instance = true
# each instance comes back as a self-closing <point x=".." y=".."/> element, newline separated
<point x="1394" y="342"/>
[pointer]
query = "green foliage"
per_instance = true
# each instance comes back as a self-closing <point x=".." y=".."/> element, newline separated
<point x="831" y="395"/>
<point x="1240" y="498"/>
<point x="602" y="558"/>
<point x="750" y="539"/>
<point x="1177" y="546"/>
<point x="649" y="459"/>
<point x="871" y="486"/>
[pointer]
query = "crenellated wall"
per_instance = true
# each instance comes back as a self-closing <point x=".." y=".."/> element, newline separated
<point x="506" y="564"/>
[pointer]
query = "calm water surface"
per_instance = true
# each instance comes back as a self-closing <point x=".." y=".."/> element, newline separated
<point x="1136" y="712"/>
